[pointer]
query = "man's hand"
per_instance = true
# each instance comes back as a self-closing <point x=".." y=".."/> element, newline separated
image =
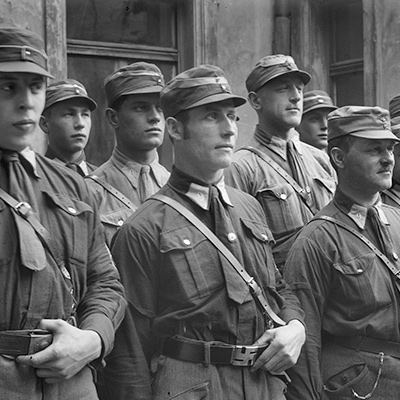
<point x="284" y="349"/>
<point x="71" y="350"/>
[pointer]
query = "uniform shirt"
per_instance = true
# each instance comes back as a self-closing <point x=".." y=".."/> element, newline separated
<point x="343" y="287"/>
<point x="392" y="196"/>
<point x="286" y="212"/>
<point x="68" y="213"/>
<point x="176" y="281"/>
<point x="81" y="166"/>
<point x="123" y="174"/>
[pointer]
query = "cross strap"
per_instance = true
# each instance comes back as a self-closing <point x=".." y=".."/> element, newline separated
<point x="111" y="189"/>
<point x="24" y="210"/>
<point x="392" y="196"/>
<point x="255" y="289"/>
<point x="273" y="164"/>
<point x="364" y="239"/>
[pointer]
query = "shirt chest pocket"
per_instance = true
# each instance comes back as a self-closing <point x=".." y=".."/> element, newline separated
<point x="362" y="285"/>
<point x="191" y="266"/>
<point x="69" y="222"/>
<point x="282" y="208"/>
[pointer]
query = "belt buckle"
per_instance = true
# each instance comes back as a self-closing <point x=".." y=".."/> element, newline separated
<point x="244" y="356"/>
<point x="23" y="208"/>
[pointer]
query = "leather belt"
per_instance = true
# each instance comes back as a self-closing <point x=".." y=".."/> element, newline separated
<point x="23" y="342"/>
<point x="368" y="344"/>
<point x="197" y="351"/>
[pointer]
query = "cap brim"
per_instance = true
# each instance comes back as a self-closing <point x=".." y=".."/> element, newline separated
<point x="319" y="107"/>
<point x="304" y="76"/>
<point x="24" y="66"/>
<point x="382" y="135"/>
<point x="148" y="89"/>
<point x="237" y="100"/>
<point x="92" y="107"/>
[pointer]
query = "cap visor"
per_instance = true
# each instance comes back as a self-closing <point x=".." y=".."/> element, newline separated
<point x="92" y="103"/>
<point x="237" y="100"/>
<point x="304" y="76"/>
<point x="147" y="89"/>
<point x="24" y="66"/>
<point x="382" y="135"/>
<point x="320" y="107"/>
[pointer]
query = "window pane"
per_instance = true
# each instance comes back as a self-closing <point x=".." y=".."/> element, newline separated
<point x="145" y="22"/>
<point x="348" y="28"/>
<point x="350" y="89"/>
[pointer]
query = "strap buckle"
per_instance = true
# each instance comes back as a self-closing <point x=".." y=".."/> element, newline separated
<point x="24" y="209"/>
<point x="244" y="356"/>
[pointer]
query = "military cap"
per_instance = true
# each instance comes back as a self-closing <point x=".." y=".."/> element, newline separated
<point x="360" y="121"/>
<point x="136" y="78"/>
<point x="65" y="90"/>
<point x="271" y="67"/>
<point x="316" y="99"/>
<point x="22" y="51"/>
<point x="195" y="87"/>
<point x="394" y="107"/>
<point x="395" y="124"/>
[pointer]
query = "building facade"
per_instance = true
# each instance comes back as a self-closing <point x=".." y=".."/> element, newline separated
<point x="349" y="47"/>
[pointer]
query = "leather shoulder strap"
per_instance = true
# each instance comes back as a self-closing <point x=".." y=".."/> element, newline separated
<point x="364" y="239"/>
<point x="111" y="189"/>
<point x="298" y="189"/>
<point x="23" y="209"/>
<point x="392" y="196"/>
<point x="254" y="288"/>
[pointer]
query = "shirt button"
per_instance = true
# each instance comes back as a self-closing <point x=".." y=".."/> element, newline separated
<point x="283" y="196"/>
<point x="359" y="270"/>
<point x="231" y="237"/>
<point x="200" y="195"/>
<point x="72" y="210"/>
<point x="395" y="256"/>
<point x="186" y="242"/>
<point x="308" y="189"/>
<point x="264" y="236"/>
<point x="120" y="222"/>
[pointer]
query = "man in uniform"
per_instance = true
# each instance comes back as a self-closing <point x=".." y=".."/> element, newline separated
<point x="133" y="173"/>
<point x="313" y="128"/>
<point x="344" y="267"/>
<point x="67" y="122"/>
<point x="290" y="179"/>
<point x="391" y="196"/>
<point x="56" y="272"/>
<point x="192" y="320"/>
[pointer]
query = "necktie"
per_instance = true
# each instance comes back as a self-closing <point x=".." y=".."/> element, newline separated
<point x="33" y="255"/>
<point x="297" y="166"/>
<point x="75" y="165"/>
<point x="382" y="233"/>
<point x="237" y="289"/>
<point x="146" y="185"/>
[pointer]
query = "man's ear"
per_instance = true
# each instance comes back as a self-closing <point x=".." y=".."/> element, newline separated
<point x="254" y="100"/>
<point x="175" y="128"/>
<point x="112" y="117"/>
<point x="44" y="125"/>
<point x="338" y="157"/>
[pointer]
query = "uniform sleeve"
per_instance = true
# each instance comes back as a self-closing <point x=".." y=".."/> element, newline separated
<point x="103" y="305"/>
<point x="304" y="272"/>
<point x="127" y="374"/>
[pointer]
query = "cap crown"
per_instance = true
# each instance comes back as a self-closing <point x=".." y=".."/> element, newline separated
<point x="317" y="99"/>
<point x="271" y="67"/>
<point x="197" y="86"/>
<point x="65" y="90"/>
<point x="140" y="77"/>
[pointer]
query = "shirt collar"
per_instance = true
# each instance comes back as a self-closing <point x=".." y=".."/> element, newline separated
<point x="29" y="155"/>
<point x="276" y="143"/>
<point x="355" y="211"/>
<point x="132" y="168"/>
<point x="196" y="190"/>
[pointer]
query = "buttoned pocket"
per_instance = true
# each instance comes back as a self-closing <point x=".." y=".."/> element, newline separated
<point x="282" y="208"/>
<point x="362" y="286"/>
<point x="69" y="221"/>
<point x="189" y="262"/>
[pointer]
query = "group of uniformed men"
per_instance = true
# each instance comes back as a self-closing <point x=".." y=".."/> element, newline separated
<point x="271" y="272"/>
